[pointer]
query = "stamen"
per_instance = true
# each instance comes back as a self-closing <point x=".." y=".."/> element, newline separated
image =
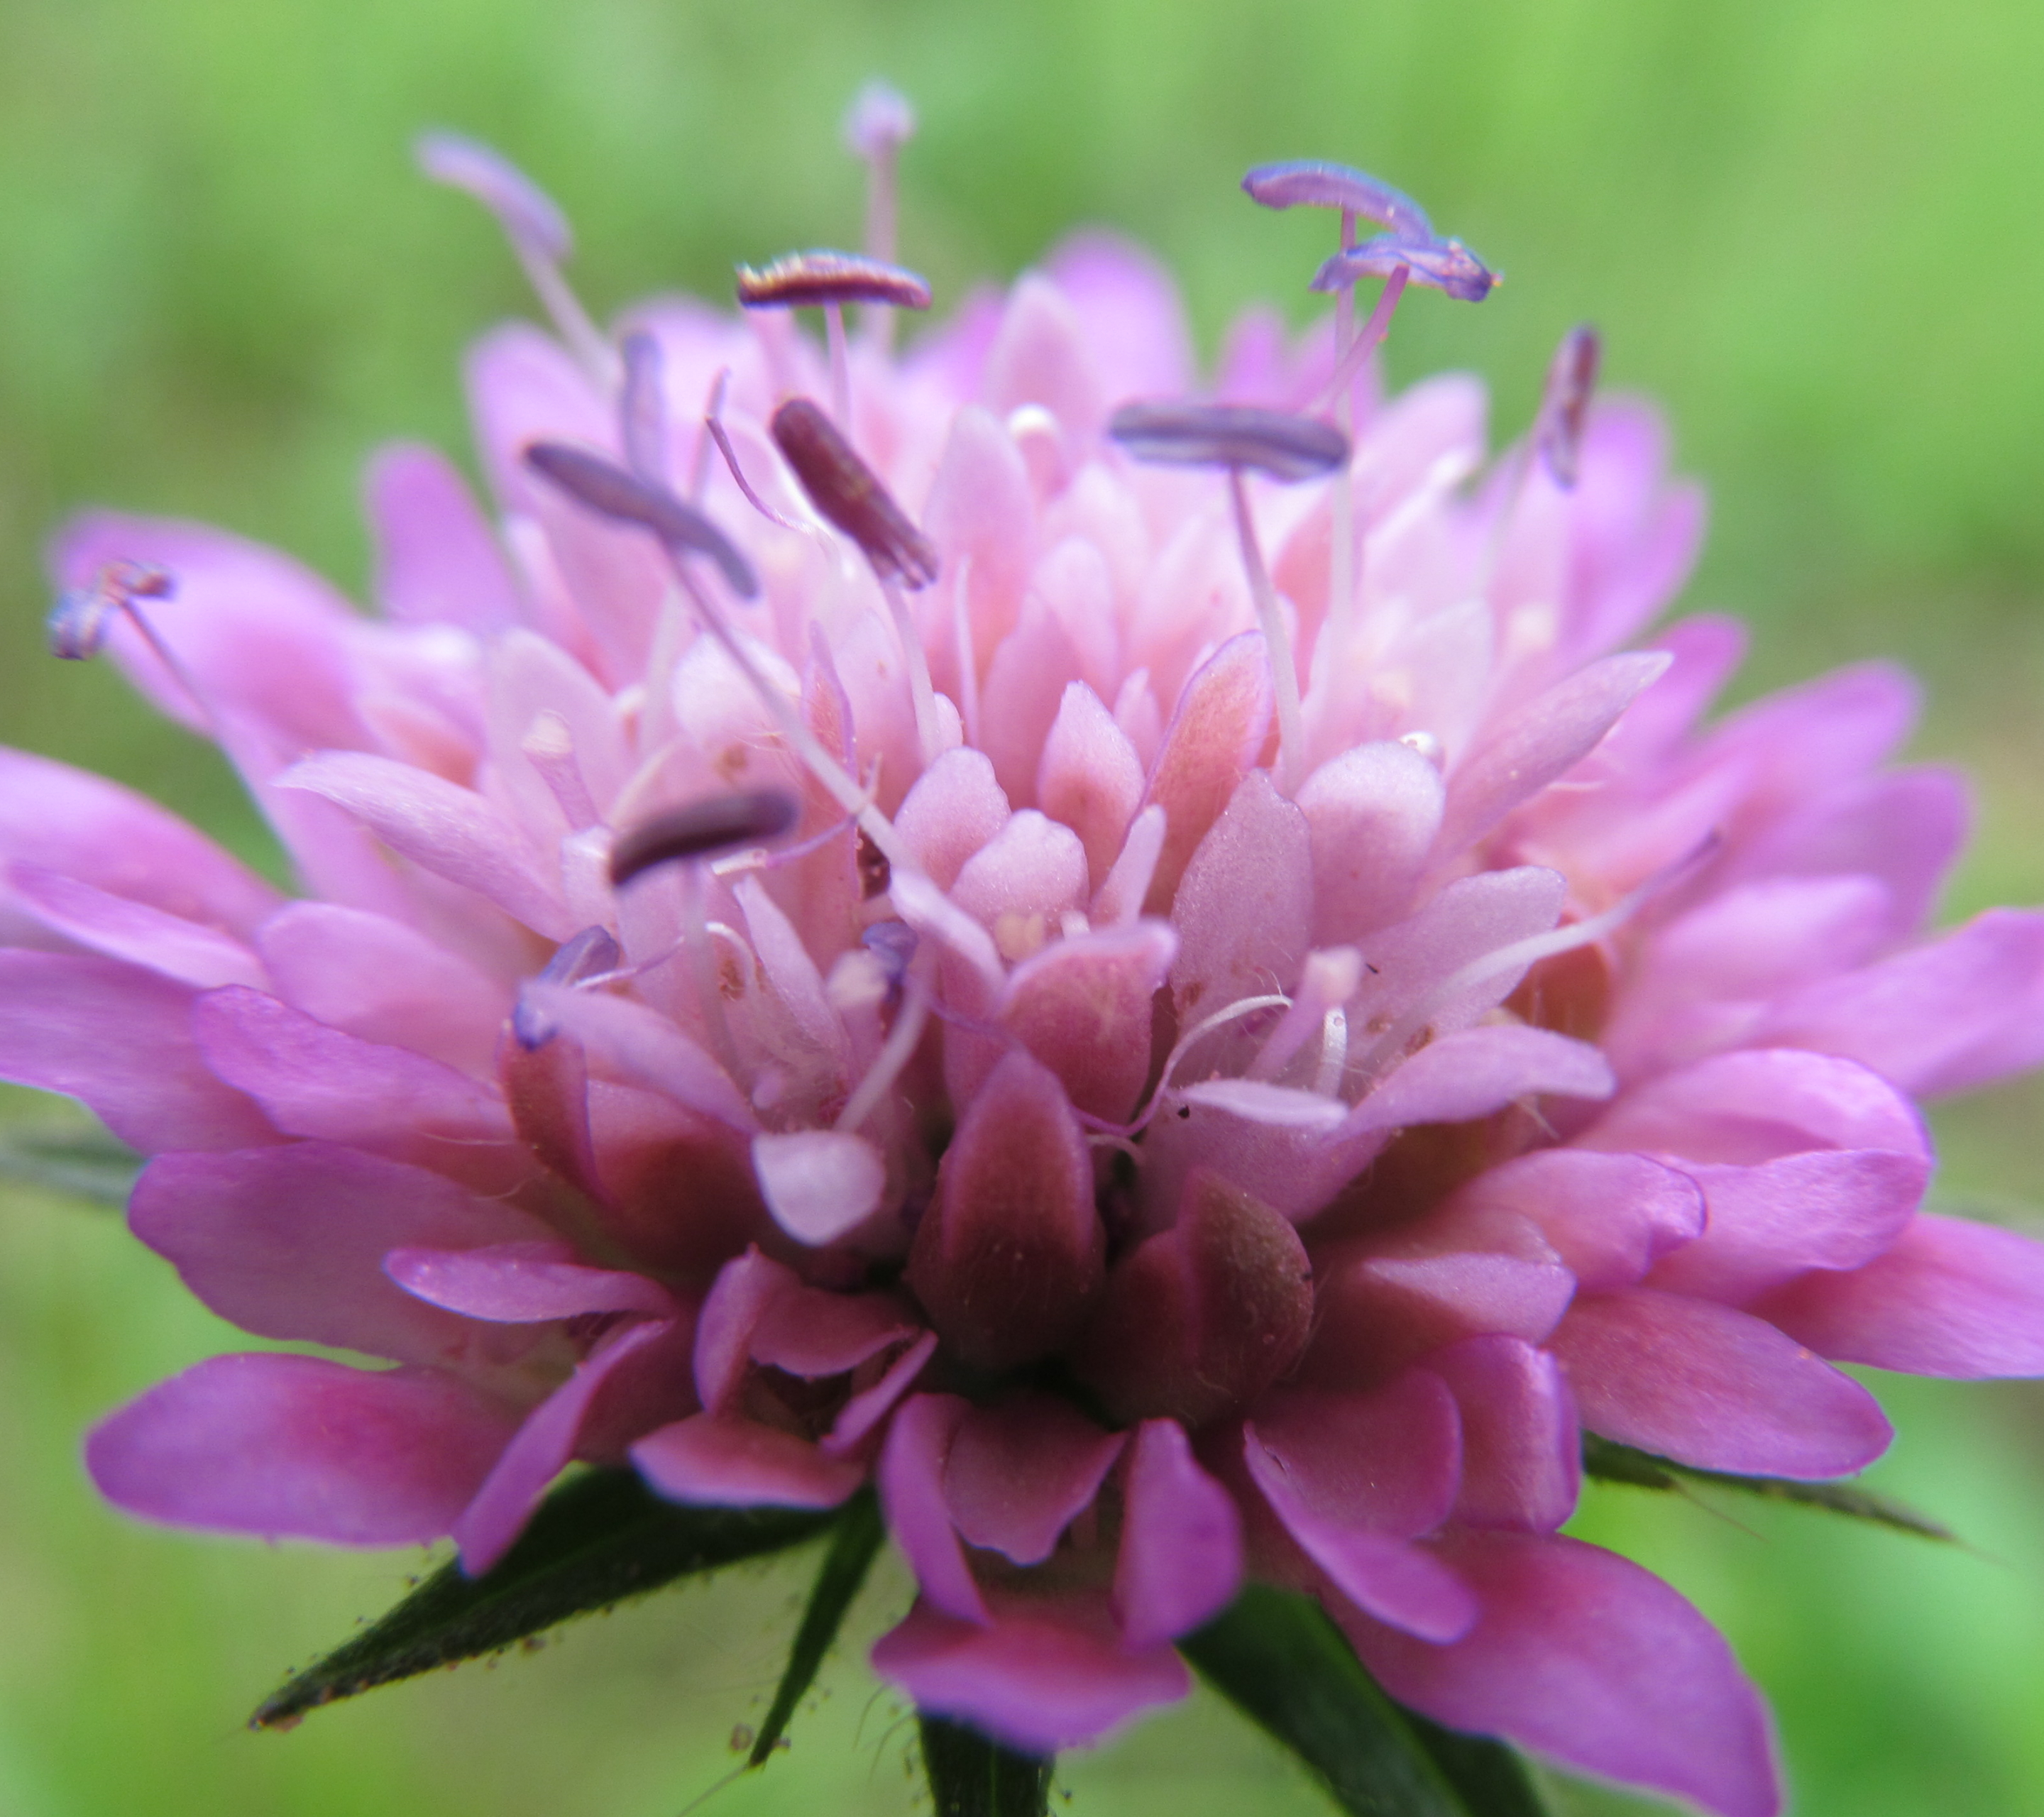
<point x="1313" y="183"/>
<point x="962" y="647"/>
<point x="78" y="622"/>
<point x="642" y="410"/>
<point x="849" y="494"/>
<point x="1220" y="1018"/>
<point x="1565" y="403"/>
<point x="895" y="1054"/>
<point x="1339" y="386"/>
<point x="1334" y="1053"/>
<point x="1283" y="671"/>
<point x="1445" y="265"/>
<point x="583" y="958"/>
<point x="877" y="124"/>
<point x="536" y="227"/>
<point x="611" y="492"/>
<point x="549" y="746"/>
<point x="824" y="275"/>
<point x="702" y="829"/>
<point x="709" y="435"/>
<point x="1285" y="447"/>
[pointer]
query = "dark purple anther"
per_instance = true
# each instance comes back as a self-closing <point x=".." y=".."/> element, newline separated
<point x="526" y="212"/>
<point x="893" y="944"/>
<point x="611" y="492"/>
<point x="849" y="494"/>
<point x="1274" y="442"/>
<point x="577" y="959"/>
<point x="78" y="622"/>
<point x="642" y="410"/>
<point x="1442" y="264"/>
<point x="1572" y="378"/>
<point x="1312" y="183"/>
<point x="702" y="829"/>
<point x="819" y="277"/>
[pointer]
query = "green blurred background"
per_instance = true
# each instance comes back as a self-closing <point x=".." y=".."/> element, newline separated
<point x="1811" y="227"/>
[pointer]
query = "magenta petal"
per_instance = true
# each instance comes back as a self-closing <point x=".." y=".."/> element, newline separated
<point x="119" y="1039"/>
<point x="745" y="1287"/>
<point x="1479" y="1070"/>
<point x="544" y="1445"/>
<point x="1180" y="1561"/>
<point x="1017" y="1475"/>
<point x="1698" y="1382"/>
<point x="1083" y="1007"/>
<point x="645" y="1048"/>
<point x="1389" y="1459"/>
<point x="736" y="1463"/>
<point x="1584" y="1656"/>
<point x="814" y="1334"/>
<point x="1217" y="730"/>
<point x="442" y="827"/>
<point x="124" y="929"/>
<point x="1044" y="1677"/>
<point x="912" y="1493"/>
<point x="437" y="560"/>
<point x="291" y="1446"/>
<point x="1609" y="1217"/>
<point x="1951" y="1298"/>
<point x="1522" y="1444"/>
<point x="522" y="1283"/>
<point x="1089" y="778"/>
<point x="862" y="1414"/>
<point x="290" y="1243"/>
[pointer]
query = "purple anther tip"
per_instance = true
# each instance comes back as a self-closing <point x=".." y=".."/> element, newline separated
<point x="893" y="944"/>
<point x="701" y="829"/>
<point x="1572" y="377"/>
<point x="880" y="121"/>
<point x="78" y="623"/>
<point x="579" y="958"/>
<point x="1274" y="442"/>
<point x="526" y="212"/>
<point x="824" y="275"/>
<point x="1444" y="265"/>
<point x="610" y="492"/>
<point x="1311" y="182"/>
<point x="850" y="495"/>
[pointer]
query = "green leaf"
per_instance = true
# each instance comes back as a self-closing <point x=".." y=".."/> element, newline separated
<point x="80" y="1160"/>
<point x="1490" y="1775"/>
<point x="1610" y="1461"/>
<point x="860" y="1534"/>
<point x="1277" y="1657"/>
<point x="971" y="1775"/>
<point x="600" y="1538"/>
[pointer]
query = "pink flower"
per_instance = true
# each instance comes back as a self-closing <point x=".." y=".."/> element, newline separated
<point x="1173" y="1071"/>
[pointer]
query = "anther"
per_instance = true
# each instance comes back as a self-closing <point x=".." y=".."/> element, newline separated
<point x="850" y="495"/>
<point x="1444" y="265"/>
<point x="536" y="227"/>
<point x="1565" y="403"/>
<point x="1311" y="182"/>
<point x="821" y="277"/>
<point x="78" y="622"/>
<point x="610" y="492"/>
<point x="703" y="829"/>
<point x="642" y="410"/>
<point x="581" y="957"/>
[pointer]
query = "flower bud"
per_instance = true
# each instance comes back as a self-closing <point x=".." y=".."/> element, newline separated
<point x="1204" y="1316"/>
<point x="1007" y="1260"/>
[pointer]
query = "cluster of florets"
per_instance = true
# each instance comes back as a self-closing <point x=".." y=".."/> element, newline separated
<point x="883" y="939"/>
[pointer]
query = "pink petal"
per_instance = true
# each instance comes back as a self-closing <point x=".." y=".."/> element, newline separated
<point x="1698" y="1382"/>
<point x="447" y="830"/>
<point x="1244" y="910"/>
<point x="912" y="1494"/>
<point x="1372" y="814"/>
<point x="291" y="1446"/>
<point x="1089" y="778"/>
<point x="646" y="1048"/>
<point x="1043" y="1676"/>
<point x="1389" y="1460"/>
<point x="1017" y="1474"/>
<point x="437" y="562"/>
<point x="521" y="1283"/>
<point x="1255" y="1100"/>
<point x="188" y="951"/>
<point x="372" y="976"/>
<point x="290" y="1243"/>
<point x="1134" y="321"/>
<point x="1541" y="741"/>
<point x="1522" y="1444"/>
<point x="1215" y="732"/>
<point x="745" y="1287"/>
<point x="955" y="807"/>
<point x="1950" y="1298"/>
<point x="1083" y="1007"/>
<point x="1041" y="356"/>
<point x="1020" y="882"/>
<point x="863" y="1412"/>
<point x="1180" y="1561"/>
<point x="981" y="509"/>
<point x="1582" y="1655"/>
<point x="818" y="1184"/>
<point x="120" y="1039"/>
<point x="813" y="1333"/>
<point x="736" y="1463"/>
<point x="1410" y="961"/>
<point x="1479" y="1070"/>
<point x="1610" y="1217"/>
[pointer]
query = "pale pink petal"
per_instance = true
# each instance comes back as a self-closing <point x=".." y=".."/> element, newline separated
<point x="1083" y="1007"/>
<point x="818" y="1184"/>
<point x="1704" y="1385"/>
<point x="1244" y="910"/>
<point x="1134" y="321"/>
<point x="296" y="1447"/>
<point x="1610" y="1217"/>
<point x="1372" y="814"/>
<point x="1217" y="730"/>
<point x="1041" y="1677"/>
<point x="1180" y="1561"/>
<point x="437" y="560"/>
<point x="955" y="807"/>
<point x="120" y="1039"/>
<point x="1017" y="1474"/>
<point x="1582" y="1655"/>
<point x="521" y="1283"/>
<point x="912" y="1494"/>
<point x="1041" y="356"/>
<point x="1479" y="1070"/>
<point x="1409" y="963"/>
<point x="1950" y="1298"/>
<point x="1018" y="884"/>
<point x="1089" y="778"/>
<point x="1255" y="1100"/>
<point x="290" y="1243"/>
<point x="736" y="1463"/>
<point x="646" y="1048"/>
<point x="1522" y="1445"/>
<point x="188" y="951"/>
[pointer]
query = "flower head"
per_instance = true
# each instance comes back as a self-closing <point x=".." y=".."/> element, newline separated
<point x="1185" y="1025"/>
